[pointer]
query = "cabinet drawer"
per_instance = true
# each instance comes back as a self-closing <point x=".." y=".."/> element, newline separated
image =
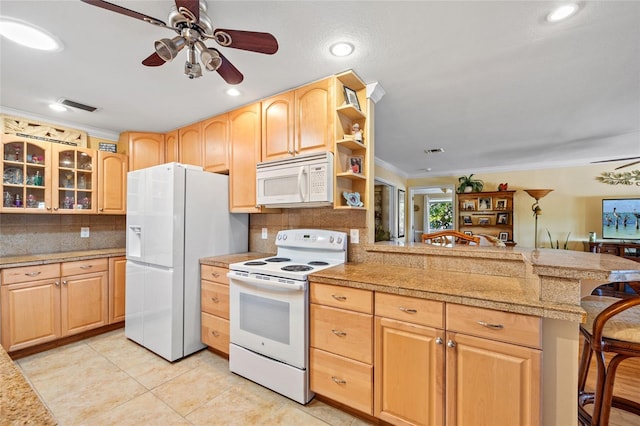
<point x="85" y="266"/>
<point x="215" y="332"/>
<point x="342" y="332"/>
<point x="410" y="309"/>
<point x="214" y="273"/>
<point x="497" y="325"/>
<point x="342" y="297"/>
<point x="343" y="380"/>
<point x="215" y="299"/>
<point x="30" y="273"/>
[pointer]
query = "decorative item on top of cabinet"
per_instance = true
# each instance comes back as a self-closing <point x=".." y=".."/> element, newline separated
<point x="190" y="145"/>
<point x="341" y="353"/>
<point x="215" y="143"/>
<point x="214" y="303"/>
<point x="244" y="142"/>
<point x="347" y="118"/>
<point x="112" y="183"/>
<point x="489" y="213"/>
<point x="145" y="149"/>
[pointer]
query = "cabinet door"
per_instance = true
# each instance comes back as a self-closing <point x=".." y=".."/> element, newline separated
<point x="244" y="139"/>
<point x="314" y="117"/>
<point x="84" y="302"/>
<point x="145" y="150"/>
<point x="190" y="145"/>
<point x="117" y="287"/>
<point x="277" y="127"/>
<point x="75" y="180"/>
<point x="215" y="144"/>
<point x="491" y="383"/>
<point x="409" y="373"/>
<point x="112" y="183"/>
<point x="171" y="147"/>
<point x="30" y="313"/>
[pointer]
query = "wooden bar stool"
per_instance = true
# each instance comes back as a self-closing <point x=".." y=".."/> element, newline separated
<point x="613" y="326"/>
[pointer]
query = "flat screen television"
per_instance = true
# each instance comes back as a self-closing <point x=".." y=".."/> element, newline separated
<point x="621" y="218"/>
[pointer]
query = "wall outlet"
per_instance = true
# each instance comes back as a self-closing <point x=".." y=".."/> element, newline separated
<point x="265" y="234"/>
<point x="355" y="236"/>
<point x="84" y="232"/>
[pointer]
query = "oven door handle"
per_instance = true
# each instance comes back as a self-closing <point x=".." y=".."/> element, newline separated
<point x="265" y="284"/>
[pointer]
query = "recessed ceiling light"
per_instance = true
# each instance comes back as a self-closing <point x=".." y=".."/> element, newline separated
<point x="29" y="35"/>
<point x="233" y="92"/>
<point x="562" y="12"/>
<point x="341" y="49"/>
<point x="57" y="107"/>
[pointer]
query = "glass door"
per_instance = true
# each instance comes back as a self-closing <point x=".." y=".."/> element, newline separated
<point x="25" y="176"/>
<point x="75" y="180"/>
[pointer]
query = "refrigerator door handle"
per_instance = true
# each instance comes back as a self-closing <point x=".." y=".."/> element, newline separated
<point x="136" y="229"/>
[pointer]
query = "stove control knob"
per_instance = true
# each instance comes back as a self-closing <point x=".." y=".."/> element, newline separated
<point x="284" y="237"/>
<point x="331" y="239"/>
<point x="279" y="236"/>
<point x="339" y="240"/>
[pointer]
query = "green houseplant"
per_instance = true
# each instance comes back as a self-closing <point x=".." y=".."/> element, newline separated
<point x="467" y="184"/>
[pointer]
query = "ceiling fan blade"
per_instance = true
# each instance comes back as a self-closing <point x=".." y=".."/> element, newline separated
<point x="228" y="72"/>
<point x="247" y="40"/>
<point x="192" y="6"/>
<point x="615" y="159"/>
<point x="627" y="165"/>
<point x="154" y="60"/>
<point x="123" y="10"/>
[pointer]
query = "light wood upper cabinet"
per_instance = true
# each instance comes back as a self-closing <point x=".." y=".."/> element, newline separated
<point x="244" y="140"/>
<point x="215" y="144"/>
<point x="298" y="122"/>
<point x="171" y="141"/>
<point x="190" y="145"/>
<point x="74" y="182"/>
<point x="145" y="149"/>
<point x="112" y="183"/>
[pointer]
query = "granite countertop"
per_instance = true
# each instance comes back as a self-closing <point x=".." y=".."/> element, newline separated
<point x="41" y="259"/>
<point x="19" y="404"/>
<point x="225" y="260"/>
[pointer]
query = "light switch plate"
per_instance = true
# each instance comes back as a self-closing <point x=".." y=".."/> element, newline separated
<point x="355" y="236"/>
<point x="84" y="232"/>
<point x="264" y="233"/>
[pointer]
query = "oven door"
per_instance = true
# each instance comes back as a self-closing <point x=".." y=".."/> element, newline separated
<point x="269" y="317"/>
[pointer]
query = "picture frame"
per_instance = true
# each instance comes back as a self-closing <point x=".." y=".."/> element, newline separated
<point x="501" y="204"/>
<point x="484" y="220"/>
<point x="468" y="205"/>
<point x="468" y="233"/>
<point x="484" y="203"/>
<point x="502" y="219"/>
<point x="351" y="97"/>
<point x="354" y="164"/>
<point x="466" y="220"/>
<point x="401" y="217"/>
<point x="503" y="236"/>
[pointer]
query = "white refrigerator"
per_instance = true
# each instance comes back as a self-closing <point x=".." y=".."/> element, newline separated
<point x="176" y="214"/>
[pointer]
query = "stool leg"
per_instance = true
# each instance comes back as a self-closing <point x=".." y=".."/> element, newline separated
<point x="607" y="395"/>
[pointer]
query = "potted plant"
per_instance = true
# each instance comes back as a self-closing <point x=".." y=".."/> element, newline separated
<point x="467" y="184"/>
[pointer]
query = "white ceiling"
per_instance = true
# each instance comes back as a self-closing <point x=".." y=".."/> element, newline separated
<point x="489" y="81"/>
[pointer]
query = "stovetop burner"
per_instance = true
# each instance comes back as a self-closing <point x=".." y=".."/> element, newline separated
<point x="255" y="263"/>
<point x="278" y="259"/>
<point x="318" y="263"/>
<point x="297" y="268"/>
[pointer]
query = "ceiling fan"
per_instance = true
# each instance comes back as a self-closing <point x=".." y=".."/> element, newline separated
<point x="633" y="163"/>
<point x="188" y="18"/>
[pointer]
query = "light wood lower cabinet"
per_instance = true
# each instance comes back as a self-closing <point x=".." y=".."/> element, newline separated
<point x="341" y="353"/>
<point x="117" y="288"/>
<point x="42" y="303"/>
<point x="214" y="303"/>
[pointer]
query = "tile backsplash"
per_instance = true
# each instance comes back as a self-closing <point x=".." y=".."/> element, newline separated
<point x="23" y="234"/>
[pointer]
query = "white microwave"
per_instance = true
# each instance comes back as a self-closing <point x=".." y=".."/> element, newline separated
<point x="302" y="181"/>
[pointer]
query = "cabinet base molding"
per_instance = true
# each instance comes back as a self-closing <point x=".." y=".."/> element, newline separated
<point x="21" y="353"/>
<point x="349" y="410"/>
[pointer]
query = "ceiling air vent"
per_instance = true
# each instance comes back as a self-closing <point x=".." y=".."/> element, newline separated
<point x="78" y="105"/>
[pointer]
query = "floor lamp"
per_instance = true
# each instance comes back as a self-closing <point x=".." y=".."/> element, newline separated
<point x="535" y="207"/>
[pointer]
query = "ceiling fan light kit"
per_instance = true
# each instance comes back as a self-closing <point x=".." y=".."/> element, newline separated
<point x="189" y="19"/>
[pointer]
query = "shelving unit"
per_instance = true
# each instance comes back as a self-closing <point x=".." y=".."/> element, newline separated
<point x="352" y="158"/>
<point x="489" y="213"/>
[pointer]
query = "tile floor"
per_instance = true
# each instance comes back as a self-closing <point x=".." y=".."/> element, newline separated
<point x="109" y="380"/>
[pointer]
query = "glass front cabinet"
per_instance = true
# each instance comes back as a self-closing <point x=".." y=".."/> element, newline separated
<point x="44" y="177"/>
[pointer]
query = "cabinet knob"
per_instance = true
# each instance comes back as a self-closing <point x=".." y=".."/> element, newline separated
<point x="64" y="282"/>
<point x="215" y="333"/>
<point x="215" y="274"/>
<point x="55" y="209"/>
<point x="49" y="208"/>
<point x="451" y="344"/>
<point x="339" y="298"/>
<point x="438" y="340"/>
<point x="407" y="310"/>
<point x="215" y="300"/>
<point x="492" y="326"/>
<point x="57" y="283"/>
<point x="339" y="333"/>
<point x="338" y="381"/>
<point x="101" y="209"/>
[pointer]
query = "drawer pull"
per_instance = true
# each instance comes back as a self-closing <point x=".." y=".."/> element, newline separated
<point x="215" y="333"/>
<point x="338" y="297"/>
<point x="407" y="310"/>
<point x="492" y="326"/>
<point x="215" y="274"/>
<point x="86" y="267"/>
<point x="33" y="274"/>
<point x="215" y="300"/>
<point x="339" y="333"/>
<point x="338" y="381"/>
